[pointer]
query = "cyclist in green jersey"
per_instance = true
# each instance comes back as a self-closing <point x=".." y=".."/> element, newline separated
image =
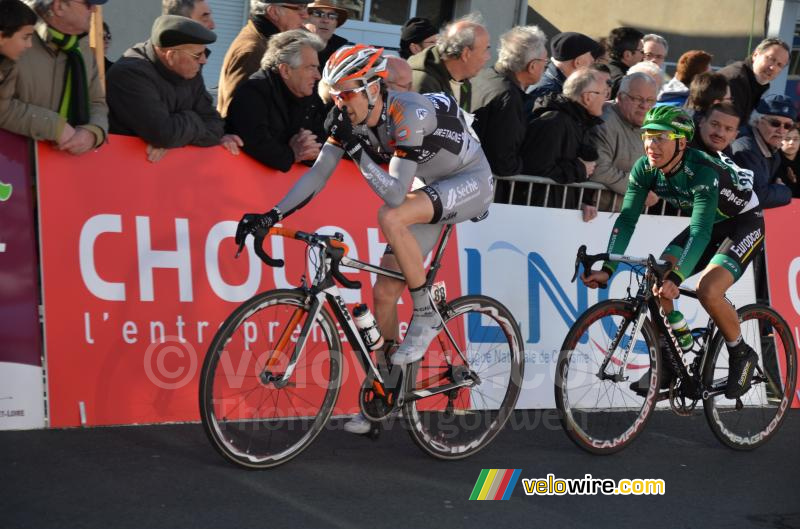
<point x="725" y="232"/>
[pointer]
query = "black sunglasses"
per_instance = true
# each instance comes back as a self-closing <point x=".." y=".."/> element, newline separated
<point x="778" y="123"/>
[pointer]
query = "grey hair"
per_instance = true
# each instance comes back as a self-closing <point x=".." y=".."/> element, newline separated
<point x="40" y="6"/>
<point x="656" y="38"/>
<point x="287" y="48"/>
<point x="648" y="68"/>
<point x="628" y="80"/>
<point x="518" y="47"/>
<point x="259" y="7"/>
<point x="770" y="42"/>
<point x="754" y="117"/>
<point x="182" y="8"/>
<point x="578" y="82"/>
<point x="451" y="43"/>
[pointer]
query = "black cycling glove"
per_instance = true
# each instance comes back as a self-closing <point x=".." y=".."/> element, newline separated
<point x="339" y="127"/>
<point x="256" y="224"/>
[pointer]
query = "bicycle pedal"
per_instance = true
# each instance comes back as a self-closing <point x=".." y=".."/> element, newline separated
<point x="374" y="432"/>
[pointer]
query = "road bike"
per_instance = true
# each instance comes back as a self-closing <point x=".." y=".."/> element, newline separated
<point x="272" y="374"/>
<point x="615" y="341"/>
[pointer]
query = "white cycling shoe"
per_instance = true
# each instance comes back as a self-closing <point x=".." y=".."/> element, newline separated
<point x="359" y="425"/>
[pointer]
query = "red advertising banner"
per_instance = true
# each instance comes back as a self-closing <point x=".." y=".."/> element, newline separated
<point x="21" y="389"/>
<point x="783" y="266"/>
<point x="139" y="271"/>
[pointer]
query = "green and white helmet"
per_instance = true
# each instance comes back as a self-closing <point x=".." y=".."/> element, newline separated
<point x="671" y="119"/>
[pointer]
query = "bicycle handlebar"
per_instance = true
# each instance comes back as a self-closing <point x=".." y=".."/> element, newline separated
<point x="335" y="248"/>
<point x="659" y="267"/>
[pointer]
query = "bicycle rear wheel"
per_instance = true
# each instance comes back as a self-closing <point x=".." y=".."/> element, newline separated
<point x="600" y="414"/>
<point x="764" y="406"/>
<point x="464" y="420"/>
<point x="250" y="416"/>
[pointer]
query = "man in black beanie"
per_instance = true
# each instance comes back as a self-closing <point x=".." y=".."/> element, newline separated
<point x="569" y="51"/>
<point x="156" y="91"/>
<point x="417" y="34"/>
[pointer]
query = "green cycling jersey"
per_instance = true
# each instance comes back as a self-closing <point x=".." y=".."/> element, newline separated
<point x="707" y="188"/>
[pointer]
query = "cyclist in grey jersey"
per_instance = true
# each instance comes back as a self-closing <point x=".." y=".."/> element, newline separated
<point x="428" y="137"/>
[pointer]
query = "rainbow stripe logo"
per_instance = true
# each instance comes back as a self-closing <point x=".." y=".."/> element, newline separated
<point x="495" y="484"/>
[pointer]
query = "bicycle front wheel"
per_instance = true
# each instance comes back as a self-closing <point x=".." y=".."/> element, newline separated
<point x="460" y="422"/>
<point x="763" y="408"/>
<point x="598" y="410"/>
<point x="254" y="415"/>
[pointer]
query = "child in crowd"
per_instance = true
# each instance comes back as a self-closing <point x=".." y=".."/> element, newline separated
<point x="16" y="36"/>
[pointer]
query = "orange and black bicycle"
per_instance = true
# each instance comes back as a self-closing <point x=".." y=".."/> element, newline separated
<point x="272" y="374"/>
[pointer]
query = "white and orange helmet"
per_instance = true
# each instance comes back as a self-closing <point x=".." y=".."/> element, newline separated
<point x="357" y="62"/>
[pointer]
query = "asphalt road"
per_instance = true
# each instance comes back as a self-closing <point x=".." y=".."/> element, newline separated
<point x="169" y="477"/>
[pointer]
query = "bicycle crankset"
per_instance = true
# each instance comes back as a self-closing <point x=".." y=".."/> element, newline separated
<point x="681" y="404"/>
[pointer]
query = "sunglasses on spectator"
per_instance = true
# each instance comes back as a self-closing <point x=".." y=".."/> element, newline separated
<point x="640" y="100"/>
<point x="318" y="13"/>
<point x="776" y="123"/>
<point x="293" y="7"/>
<point x="654" y="56"/>
<point x="197" y="56"/>
<point x="660" y="137"/>
<point x="346" y="95"/>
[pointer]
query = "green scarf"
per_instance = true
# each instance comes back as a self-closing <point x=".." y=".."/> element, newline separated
<point x="74" y="105"/>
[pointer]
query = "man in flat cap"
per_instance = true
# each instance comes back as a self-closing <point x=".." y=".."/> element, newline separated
<point x="156" y="91"/>
<point x="58" y="94"/>
<point x="417" y="34"/>
<point x="325" y="17"/>
<point x="243" y="58"/>
<point x="569" y="52"/>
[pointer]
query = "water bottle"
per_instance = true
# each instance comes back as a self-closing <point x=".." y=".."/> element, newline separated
<point x="367" y="327"/>
<point x="681" y="328"/>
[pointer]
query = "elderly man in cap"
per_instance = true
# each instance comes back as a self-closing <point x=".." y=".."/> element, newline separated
<point x="243" y="58"/>
<point x="569" y="51"/>
<point x="156" y="92"/>
<point x="58" y="94"/>
<point x="417" y="34"/>
<point x="276" y="112"/>
<point x="498" y="96"/>
<point x="757" y="148"/>
<point x="460" y="53"/>
<point x="324" y="17"/>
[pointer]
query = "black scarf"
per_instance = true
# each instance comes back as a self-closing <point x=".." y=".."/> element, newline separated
<point x="74" y="106"/>
<point x="264" y="26"/>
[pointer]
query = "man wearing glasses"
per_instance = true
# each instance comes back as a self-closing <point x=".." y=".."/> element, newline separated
<point x="757" y="148"/>
<point x="74" y="119"/>
<point x="324" y="17"/>
<point x="156" y="92"/>
<point x="243" y="58"/>
<point x="619" y="139"/>
<point x="725" y="233"/>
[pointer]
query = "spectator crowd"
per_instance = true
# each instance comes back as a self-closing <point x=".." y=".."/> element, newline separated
<point x="566" y="106"/>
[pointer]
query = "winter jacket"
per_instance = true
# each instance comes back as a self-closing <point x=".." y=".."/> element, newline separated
<point x="497" y="101"/>
<point x="747" y="153"/>
<point x="673" y="93"/>
<point x="556" y="138"/>
<point x="265" y="114"/>
<point x="552" y="82"/>
<point x="243" y="58"/>
<point x="745" y="90"/>
<point x="33" y="109"/>
<point x="148" y="100"/>
<point x="619" y="145"/>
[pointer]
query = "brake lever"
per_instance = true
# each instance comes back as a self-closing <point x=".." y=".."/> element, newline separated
<point x="239" y="250"/>
<point x="578" y="260"/>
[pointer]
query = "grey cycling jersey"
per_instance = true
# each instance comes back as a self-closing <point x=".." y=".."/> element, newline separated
<point x="426" y="136"/>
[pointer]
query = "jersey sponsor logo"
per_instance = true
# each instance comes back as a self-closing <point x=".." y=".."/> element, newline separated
<point x="451" y="135"/>
<point x="422" y="114"/>
<point x="461" y="193"/>
<point x="449" y="216"/>
<point x="750" y="240"/>
<point x="733" y="198"/>
<point x="397" y="116"/>
<point x="440" y="100"/>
